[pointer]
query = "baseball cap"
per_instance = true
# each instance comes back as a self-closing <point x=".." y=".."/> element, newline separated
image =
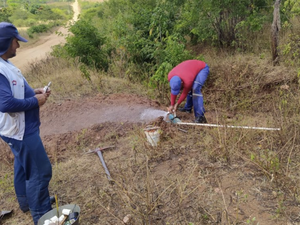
<point x="175" y="84"/>
<point x="7" y="32"/>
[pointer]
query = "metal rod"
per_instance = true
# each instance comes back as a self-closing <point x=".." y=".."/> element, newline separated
<point x="104" y="165"/>
<point x="227" y="126"/>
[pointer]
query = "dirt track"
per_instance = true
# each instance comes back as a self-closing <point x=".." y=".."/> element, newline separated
<point x="34" y="52"/>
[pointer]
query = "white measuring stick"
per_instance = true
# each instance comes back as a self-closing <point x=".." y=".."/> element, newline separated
<point x="229" y="126"/>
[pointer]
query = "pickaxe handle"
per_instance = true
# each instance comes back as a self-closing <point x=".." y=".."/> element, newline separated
<point x="104" y="165"/>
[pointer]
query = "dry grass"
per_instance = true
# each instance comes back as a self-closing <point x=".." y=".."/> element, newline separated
<point x="68" y="81"/>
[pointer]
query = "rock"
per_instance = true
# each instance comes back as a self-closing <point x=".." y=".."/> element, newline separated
<point x="127" y="219"/>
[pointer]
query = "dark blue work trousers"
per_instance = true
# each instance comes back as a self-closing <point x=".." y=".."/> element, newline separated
<point x="195" y="97"/>
<point x="32" y="174"/>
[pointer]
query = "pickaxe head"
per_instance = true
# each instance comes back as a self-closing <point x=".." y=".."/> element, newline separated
<point x="99" y="149"/>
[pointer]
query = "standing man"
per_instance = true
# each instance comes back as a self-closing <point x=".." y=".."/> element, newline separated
<point x="189" y="76"/>
<point x="19" y="128"/>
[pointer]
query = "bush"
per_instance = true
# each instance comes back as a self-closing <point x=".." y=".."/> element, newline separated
<point x="38" y="29"/>
<point x="87" y="45"/>
<point x="5" y="13"/>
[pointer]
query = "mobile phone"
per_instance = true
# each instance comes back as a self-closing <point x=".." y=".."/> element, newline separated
<point x="47" y="87"/>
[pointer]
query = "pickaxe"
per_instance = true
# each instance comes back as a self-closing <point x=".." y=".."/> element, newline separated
<point x="3" y="213"/>
<point x="98" y="151"/>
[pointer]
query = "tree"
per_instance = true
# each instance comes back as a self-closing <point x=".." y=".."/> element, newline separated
<point x="87" y="44"/>
<point x="221" y="22"/>
<point x="275" y="32"/>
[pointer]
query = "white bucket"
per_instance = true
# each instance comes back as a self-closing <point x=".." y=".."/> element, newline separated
<point x="153" y="135"/>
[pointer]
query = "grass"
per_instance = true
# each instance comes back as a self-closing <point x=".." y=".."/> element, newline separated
<point x="70" y="83"/>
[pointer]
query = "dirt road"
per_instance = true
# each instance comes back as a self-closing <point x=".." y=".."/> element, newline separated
<point x="40" y="49"/>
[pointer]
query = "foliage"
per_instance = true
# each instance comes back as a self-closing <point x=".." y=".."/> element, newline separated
<point x="26" y="14"/>
<point x="86" y="7"/>
<point x="162" y="20"/>
<point x="173" y="54"/>
<point x="42" y="28"/>
<point x="291" y="50"/>
<point x="38" y="29"/>
<point x="5" y="14"/>
<point x="219" y="21"/>
<point x="150" y="37"/>
<point x="292" y="6"/>
<point x="84" y="72"/>
<point x="35" y="9"/>
<point x="141" y="31"/>
<point x="61" y="14"/>
<point x="45" y="13"/>
<point x="20" y="14"/>
<point x="59" y="51"/>
<point x="87" y="44"/>
<point x="268" y="160"/>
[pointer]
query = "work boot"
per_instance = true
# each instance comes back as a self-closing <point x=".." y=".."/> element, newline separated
<point x="185" y="110"/>
<point x="200" y="119"/>
<point x="24" y="209"/>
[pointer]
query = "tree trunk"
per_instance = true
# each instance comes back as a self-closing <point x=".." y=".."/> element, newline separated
<point x="275" y="33"/>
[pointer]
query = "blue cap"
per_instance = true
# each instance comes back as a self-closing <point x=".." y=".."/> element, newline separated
<point x="175" y="84"/>
<point x="7" y="32"/>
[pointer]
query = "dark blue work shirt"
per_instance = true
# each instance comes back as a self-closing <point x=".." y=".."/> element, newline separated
<point x="29" y="105"/>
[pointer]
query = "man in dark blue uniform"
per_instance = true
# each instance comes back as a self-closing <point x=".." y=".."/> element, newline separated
<point x="19" y="128"/>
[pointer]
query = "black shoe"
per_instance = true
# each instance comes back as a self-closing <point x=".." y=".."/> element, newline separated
<point x="185" y="110"/>
<point x="24" y="209"/>
<point x="52" y="200"/>
<point x="201" y="119"/>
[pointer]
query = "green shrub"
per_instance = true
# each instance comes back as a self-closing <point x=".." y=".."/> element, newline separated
<point x="87" y="45"/>
<point x="5" y="14"/>
<point x="173" y="54"/>
<point x="291" y="50"/>
<point x="38" y="29"/>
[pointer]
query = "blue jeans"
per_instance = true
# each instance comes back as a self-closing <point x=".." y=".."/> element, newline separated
<point x="195" y="97"/>
<point x="32" y="174"/>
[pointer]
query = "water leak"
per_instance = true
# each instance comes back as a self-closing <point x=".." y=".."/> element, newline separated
<point x="151" y="114"/>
